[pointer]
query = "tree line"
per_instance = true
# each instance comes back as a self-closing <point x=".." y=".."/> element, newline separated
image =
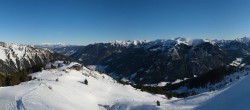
<point x="18" y="77"/>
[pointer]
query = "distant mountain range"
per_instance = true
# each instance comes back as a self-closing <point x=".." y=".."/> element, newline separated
<point x="162" y="60"/>
<point x="51" y="45"/>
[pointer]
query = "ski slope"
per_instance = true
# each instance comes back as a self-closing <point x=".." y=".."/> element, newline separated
<point x="102" y="93"/>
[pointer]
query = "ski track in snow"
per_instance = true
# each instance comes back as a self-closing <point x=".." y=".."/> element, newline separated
<point x="20" y="100"/>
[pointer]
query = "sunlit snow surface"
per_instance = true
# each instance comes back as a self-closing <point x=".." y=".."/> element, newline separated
<point x="70" y="93"/>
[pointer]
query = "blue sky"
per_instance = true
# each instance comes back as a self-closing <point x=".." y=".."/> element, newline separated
<point x="89" y="21"/>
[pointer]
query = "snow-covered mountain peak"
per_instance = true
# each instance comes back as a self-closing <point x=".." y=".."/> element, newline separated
<point x="17" y="51"/>
<point x="193" y="42"/>
<point x="243" y="40"/>
<point x="52" y="45"/>
<point x="16" y="56"/>
<point x="11" y="50"/>
<point x="129" y="42"/>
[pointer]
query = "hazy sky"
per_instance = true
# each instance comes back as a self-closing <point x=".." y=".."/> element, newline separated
<point x="90" y="21"/>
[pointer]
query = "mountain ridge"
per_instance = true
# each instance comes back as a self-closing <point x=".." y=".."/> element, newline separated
<point x="161" y="60"/>
<point x="17" y="61"/>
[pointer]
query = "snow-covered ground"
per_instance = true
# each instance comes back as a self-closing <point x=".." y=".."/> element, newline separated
<point x="102" y="92"/>
<point x="70" y="93"/>
<point x="235" y="97"/>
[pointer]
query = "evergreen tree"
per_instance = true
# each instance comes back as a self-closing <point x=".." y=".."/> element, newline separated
<point x="238" y="77"/>
<point x="169" y="95"/>
<point x="86" y="81"/>
<point x="12" y="80"/>
<point x="158" y="103"/>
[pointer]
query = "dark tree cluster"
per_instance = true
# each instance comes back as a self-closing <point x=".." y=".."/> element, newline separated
<point x="211" y="77"/>
<point x="18" y="77"/>
<point x="150" y="89"/>
<point x="123" y="82"/>
<point x="171" y="94"/>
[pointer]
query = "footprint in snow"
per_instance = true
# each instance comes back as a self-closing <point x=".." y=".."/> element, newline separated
<point x="12" y="105"/>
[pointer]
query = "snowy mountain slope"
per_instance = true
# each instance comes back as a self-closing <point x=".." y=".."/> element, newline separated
<point x="102" y="92"/>
<point x="232" y="96"/>
<point x="17" y="61"/>
<point x="235" y="97"/>
<point x="69" y="93"/>
<point x="15" y="57"/>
